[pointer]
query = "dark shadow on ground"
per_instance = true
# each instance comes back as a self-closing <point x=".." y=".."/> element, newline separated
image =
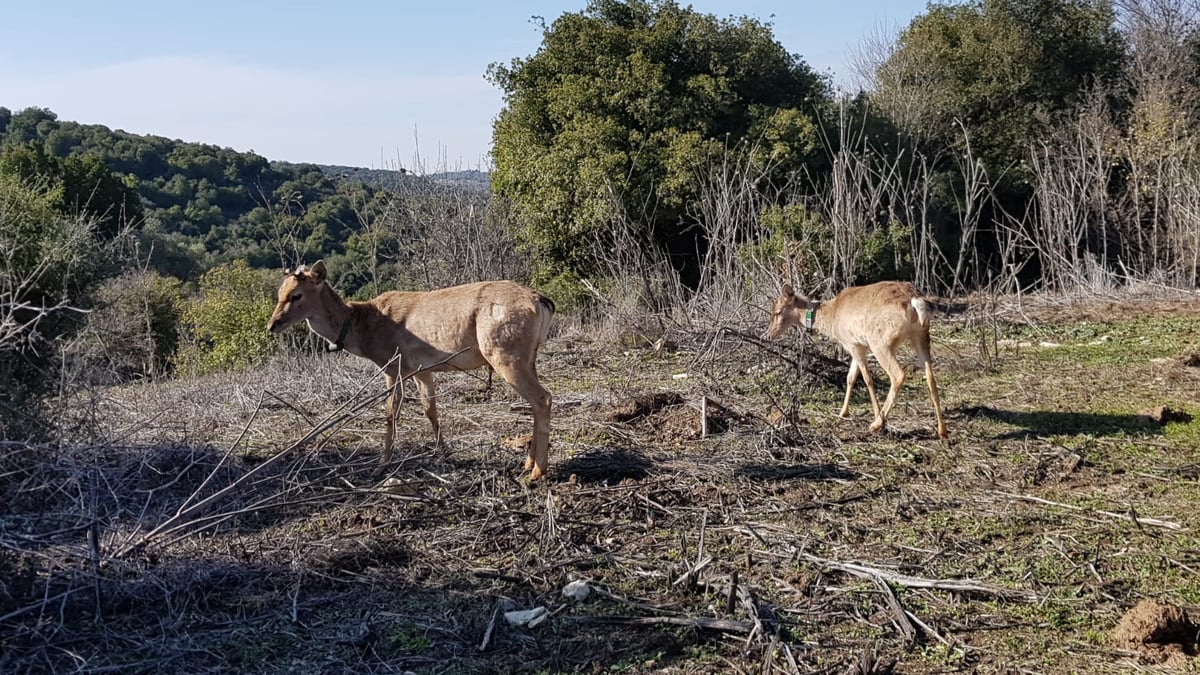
<point x="861" y="433"/>
<point x="811" y="472"/>
<point x="209" y="613"/>
<point x="1039" y="423"/>
<point x="605" y="466"/>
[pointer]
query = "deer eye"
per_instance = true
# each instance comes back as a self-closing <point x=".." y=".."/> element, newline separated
<point x="295" y="297"/>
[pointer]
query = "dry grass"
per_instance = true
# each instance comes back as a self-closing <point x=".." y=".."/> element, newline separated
<point x="786" y="540"/>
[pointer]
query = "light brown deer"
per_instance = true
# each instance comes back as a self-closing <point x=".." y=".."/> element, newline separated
<point x="878" y="317"/>
<point x="496" y="323"/>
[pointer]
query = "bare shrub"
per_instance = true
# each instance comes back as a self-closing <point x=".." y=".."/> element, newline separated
<point x="133" y="332"/>
<point x="872" y="218"/>
<point x="1071" y="199"/>
<point x="734" y="193"/>
<point x="1162" y="197"/>
<point x="638" y="297"/>
<point x="903" y="85"/>
<point x="46" y="260"/>
<point x="445" y="233"/>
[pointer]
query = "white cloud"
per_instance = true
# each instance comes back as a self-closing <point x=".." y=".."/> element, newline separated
<point x="331" y="116"/>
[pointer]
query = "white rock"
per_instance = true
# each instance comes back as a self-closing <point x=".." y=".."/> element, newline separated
<point x="527" y="617"/>
<point x="577" y="590"/>
<point x="533" y="623"/>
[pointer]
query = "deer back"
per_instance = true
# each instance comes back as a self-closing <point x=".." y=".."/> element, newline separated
<point x="881" y="314"/>
<point x="465" y="324"/>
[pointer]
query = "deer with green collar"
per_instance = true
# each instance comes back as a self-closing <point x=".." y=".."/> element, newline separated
<point x="501" y="324"/>
<point x="876" y="318"/>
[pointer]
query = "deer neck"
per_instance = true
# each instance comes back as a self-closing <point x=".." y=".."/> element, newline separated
<point x="824" y="316"/>
<point x="333" y="323"/>
<point x="814" y="315"/>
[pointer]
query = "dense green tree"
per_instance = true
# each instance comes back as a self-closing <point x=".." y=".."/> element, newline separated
<point x="226" y="323"/>
<point x="48" y="262"/>
<point x="86" y="185"/>
<point x="29" y="125"/>
<point x="1000" y="67"/>
<point x="91" y="187"/>
<point x="31" y="163"/>
<point x="615" y="114"/>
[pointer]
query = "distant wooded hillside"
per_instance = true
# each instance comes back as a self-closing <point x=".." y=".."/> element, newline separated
<point x="391" y="178"/>
<point x="202" y="204"/>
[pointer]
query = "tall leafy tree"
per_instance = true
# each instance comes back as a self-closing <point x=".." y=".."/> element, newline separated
<point x="48" y="262"/>
<point x="28" y="125"/>
<point x="5" y="118"/>
<point x="998" y="67"/>
<point x="621" y="106"/>
<point x="85" y="185"/>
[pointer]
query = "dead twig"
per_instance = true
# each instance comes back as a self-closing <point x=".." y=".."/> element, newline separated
<point x="900" y="616"/>
<point x="957" y="585"/>
<point x="722" y="625"/>
<point x="1129" y="517"/>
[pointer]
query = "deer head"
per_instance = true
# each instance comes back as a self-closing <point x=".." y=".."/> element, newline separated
<point x="300" y="296"/>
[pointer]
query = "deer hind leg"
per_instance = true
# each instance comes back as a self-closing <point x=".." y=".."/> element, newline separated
<point x="522" y="375"/>
<point x="428" y="394"/>
<point x="923" y="355"/>
<point x="886" y="354"/>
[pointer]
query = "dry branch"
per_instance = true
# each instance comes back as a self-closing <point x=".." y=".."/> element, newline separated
<point x="722" y="625"/>
<point x="956" y="585"/>
<point x="899" y="615"/>
<point x="1130" y="517"/>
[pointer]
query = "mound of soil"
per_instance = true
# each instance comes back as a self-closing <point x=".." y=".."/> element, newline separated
<point x="670" y="419"/>
<point x="1161" y="632"/>
<point x="642" y="405"/>
<point x="1163" y="415"/>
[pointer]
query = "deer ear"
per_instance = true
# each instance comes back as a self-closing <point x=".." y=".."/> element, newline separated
<point x="786" y="291"/>
<point x="318" y="270"/>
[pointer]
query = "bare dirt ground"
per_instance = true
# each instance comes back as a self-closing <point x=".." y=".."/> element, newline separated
<point x="721" y="516"/>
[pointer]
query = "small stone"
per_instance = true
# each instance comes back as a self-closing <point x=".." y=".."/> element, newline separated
<point x="527" y="617"/>
<point x="577" y="590"/>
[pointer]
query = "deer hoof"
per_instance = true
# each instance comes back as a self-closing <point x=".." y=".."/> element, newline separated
<point x="877" y="425"/>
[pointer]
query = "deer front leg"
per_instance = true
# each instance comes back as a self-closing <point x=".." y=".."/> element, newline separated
<point x="866" y="375"/>
<point x="426" y="390"/>
<point x="858" y="353"/>
<point x="389" y="408"/>
<point x="851" y="378"/>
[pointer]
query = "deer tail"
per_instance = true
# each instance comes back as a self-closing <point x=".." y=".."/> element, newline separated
<point x="921" y="307"/>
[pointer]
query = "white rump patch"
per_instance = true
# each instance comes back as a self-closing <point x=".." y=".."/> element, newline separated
<point x="922" y="310"/>
<point x="498" y="312"/>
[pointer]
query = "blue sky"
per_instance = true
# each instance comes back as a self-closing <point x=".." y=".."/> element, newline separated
<point x="352" y="82"/>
